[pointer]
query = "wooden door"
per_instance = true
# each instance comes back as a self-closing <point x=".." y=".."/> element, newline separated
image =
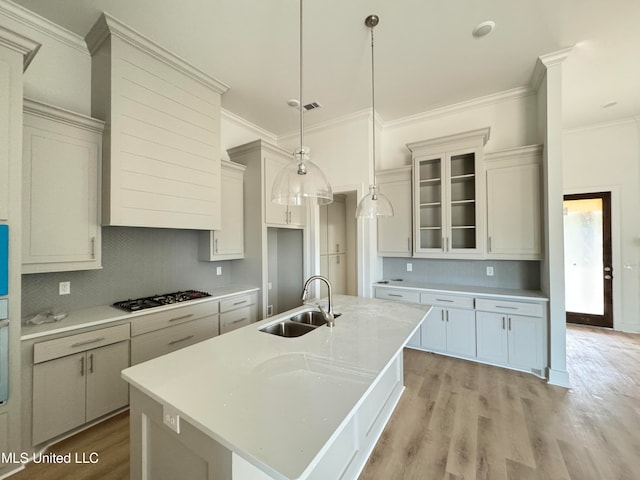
<point x="588" y="260"/>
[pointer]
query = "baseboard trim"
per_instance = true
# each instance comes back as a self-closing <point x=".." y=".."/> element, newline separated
<point x="559" y="378"/>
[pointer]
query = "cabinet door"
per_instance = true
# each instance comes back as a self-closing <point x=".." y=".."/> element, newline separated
<point x="429" y="201"/>
<point x="274" y="213"/>
<point x="463" y="215"/>
<point x="491" y="337"/>
<point x="235" y="319"/>
<point x="514" y="212"/>
<point x="106" y="390"/>
<point x="434" y="331"/>
<point x="338" y="273"/>
<point x="229" y="242"/>
<point x="324" y="220"/>
<point x="336" y="227"/>
<point x="60" y="197"/>
<point x="524" y="334"/>
<point x="58" y="396"/>
<point x="461" y="332"/>
<point x="394" y="233"/>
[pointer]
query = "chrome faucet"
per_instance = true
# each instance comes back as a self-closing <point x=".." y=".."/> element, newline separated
<point x="328" y="315"/>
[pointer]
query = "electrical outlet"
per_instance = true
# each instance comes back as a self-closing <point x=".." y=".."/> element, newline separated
<point x="171" y="418"/>
<point x="218" y="270"/>
<point x="489" y="271"/>
<point x="409" y="267"/>
<point x="269" y="310"/>
<point x="64" y="288"/>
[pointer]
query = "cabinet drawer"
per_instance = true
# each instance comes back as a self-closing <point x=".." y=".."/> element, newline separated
<point x="175" y="316"/>
<point x="446" y="300"/>
<point x="504" y="306"/>
<point x="159" y="342"/>
<point x="238" y="302"/>
<point x="235" y="319"/>
<point x="81" y="342"/>
<point x="402" y="295"/>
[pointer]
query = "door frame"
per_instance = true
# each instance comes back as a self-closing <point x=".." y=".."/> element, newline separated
<point x="616" y="248"/>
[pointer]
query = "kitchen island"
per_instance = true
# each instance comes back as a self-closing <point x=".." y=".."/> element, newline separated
<point x="250" y="405"/>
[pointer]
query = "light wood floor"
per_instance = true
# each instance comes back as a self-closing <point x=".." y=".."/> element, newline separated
<point x="461" y="420"/>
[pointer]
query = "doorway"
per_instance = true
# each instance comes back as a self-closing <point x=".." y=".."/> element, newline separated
<point x="587" y="259"/>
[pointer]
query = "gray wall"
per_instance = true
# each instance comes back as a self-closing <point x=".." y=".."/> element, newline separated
<point x="507" y="273"/>
<point x="137" y="262"/>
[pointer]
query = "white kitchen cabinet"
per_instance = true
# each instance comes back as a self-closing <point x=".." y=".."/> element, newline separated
<point x="514" y="203"/>
<point x="238" y="311"/>
<point x="511" y="334"/>
<point x="395" y="233"/>
<point x="336" y="226"/>
<point x="76" y="379"/>
<point x="274" y="213"/>
<point x="450" y="330"/>
<point x="228" y="242"/>
<point x="162" y="147"/>
<point x="448" y="196"/>
<point x="159" y="333"/>
<point x="61" y="190"/>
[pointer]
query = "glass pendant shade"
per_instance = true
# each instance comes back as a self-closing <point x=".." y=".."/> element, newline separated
<point x="301" y="182"/>
<point x="374" y="204"/>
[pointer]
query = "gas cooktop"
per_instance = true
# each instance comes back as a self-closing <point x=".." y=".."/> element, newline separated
<point x="159" y="300"/>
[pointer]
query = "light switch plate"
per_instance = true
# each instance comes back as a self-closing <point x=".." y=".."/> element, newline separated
<point x="489" y="271"/>
<point x="409" y="267"/>
<point x="218" y="270"/>
<point x="64" y="288"/>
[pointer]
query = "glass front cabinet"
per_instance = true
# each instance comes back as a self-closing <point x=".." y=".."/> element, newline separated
<point x="447" y="190"/>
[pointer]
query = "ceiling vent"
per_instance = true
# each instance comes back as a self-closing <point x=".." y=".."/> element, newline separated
<point x="312" y="106"/>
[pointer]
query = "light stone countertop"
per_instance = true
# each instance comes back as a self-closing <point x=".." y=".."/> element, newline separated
<point x="105" y="314"/>
<point x="277" y="401"/>
<point x="486" y="292"/>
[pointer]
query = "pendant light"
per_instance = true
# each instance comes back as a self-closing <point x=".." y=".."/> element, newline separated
<point x="374" y="204"/>
<point x="301" y="182"/>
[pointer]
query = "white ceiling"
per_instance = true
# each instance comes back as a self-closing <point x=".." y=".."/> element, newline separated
<point x="426" y="56"/>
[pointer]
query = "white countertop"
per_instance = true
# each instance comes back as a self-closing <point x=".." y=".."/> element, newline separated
<point x="104" y="314"/>
<point x="488" y="292"/>
<point x="277" y="401"/>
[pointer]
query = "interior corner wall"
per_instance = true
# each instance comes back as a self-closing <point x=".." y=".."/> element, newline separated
<point x="607" y="157"/>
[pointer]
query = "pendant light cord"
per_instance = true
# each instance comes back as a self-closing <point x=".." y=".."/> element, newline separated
<point x="301" y="104"/>
<point x="373" y="108"/>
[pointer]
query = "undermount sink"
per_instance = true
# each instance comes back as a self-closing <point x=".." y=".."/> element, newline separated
<point x="310" y="317"/>
<point x="287" y="328"/>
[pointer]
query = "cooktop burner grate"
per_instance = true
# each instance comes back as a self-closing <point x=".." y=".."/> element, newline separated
<point x="159" y="300"/>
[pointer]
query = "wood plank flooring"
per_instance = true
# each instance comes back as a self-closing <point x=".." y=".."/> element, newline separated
<point x="461" y="420"/>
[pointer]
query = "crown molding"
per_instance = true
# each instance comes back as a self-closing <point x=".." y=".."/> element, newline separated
<point x="597" y="126"/>
<point x="107" y="25"/>
<point x="480" y="134"/>
<point x="507" y="95"/>
<point x="255" y="145"/>
<point x="47" y="27"/>
<point x="524" y="151"/>
<point x="237" y="120"/>
<point x="61" y="115"/>
<point x="19" y="43"/>
<point x="327" y="124"/>
<point x="544" y="62"/>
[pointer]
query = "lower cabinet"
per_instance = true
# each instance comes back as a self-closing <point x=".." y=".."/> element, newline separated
<point x="70" y="389"/>
<point x="450" y="330"/>
<point x="238" y="311"/>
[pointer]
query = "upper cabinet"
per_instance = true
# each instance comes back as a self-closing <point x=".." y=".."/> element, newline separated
<point x="275" y="214"/>
<point x="61" y="190"/>
<point x="394" y="233"/>
<point x="161" y="165"/>
<point x="333" y="232"/>
<point x="448" y="186"/>
<point x="514" y="203"/>
<point x="228" y="242"/>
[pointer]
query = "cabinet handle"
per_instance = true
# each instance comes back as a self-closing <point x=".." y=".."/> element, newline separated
<point x="443" y="247"/>
<point x="180" y="340"/>
<point x="447" y="316"/>
<point x="93" y="247"/>
<point x="504" y="307"/>
<point x="447" y="239"/>
<point x="408" y="244"/>
<point x="91" y="363"/>
<point x="88" y="342"/>
<point x="443" y="300"/>
<point x="337" y="247"/>
<point x="394" y="295"/>
<point x="503" y="323"/>
<point x="442" y="314"/>
<point x="238" y="321"/>
<point x="216" y="246"/>
<point x="509" y="323"/>
<point x="181" y="318"/>
<point x="338" y="259"/>
<point x="82" y="366"/>
<point x="489" y="244"/>
<point x="240" y="303"/>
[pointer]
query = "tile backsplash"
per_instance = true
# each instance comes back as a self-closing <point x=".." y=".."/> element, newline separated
<point x="506" y="273"/>
<point x="137" y="262"/>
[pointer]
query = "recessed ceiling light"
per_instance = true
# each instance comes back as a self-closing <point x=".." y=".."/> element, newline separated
<point x="483" y="29"/>
<point x="293" y="102"/>
<point x="609" y="105"/>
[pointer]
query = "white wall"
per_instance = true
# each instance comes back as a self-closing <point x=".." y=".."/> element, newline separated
<point x="607" y="157"/>
<point x="60" y="73"/>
